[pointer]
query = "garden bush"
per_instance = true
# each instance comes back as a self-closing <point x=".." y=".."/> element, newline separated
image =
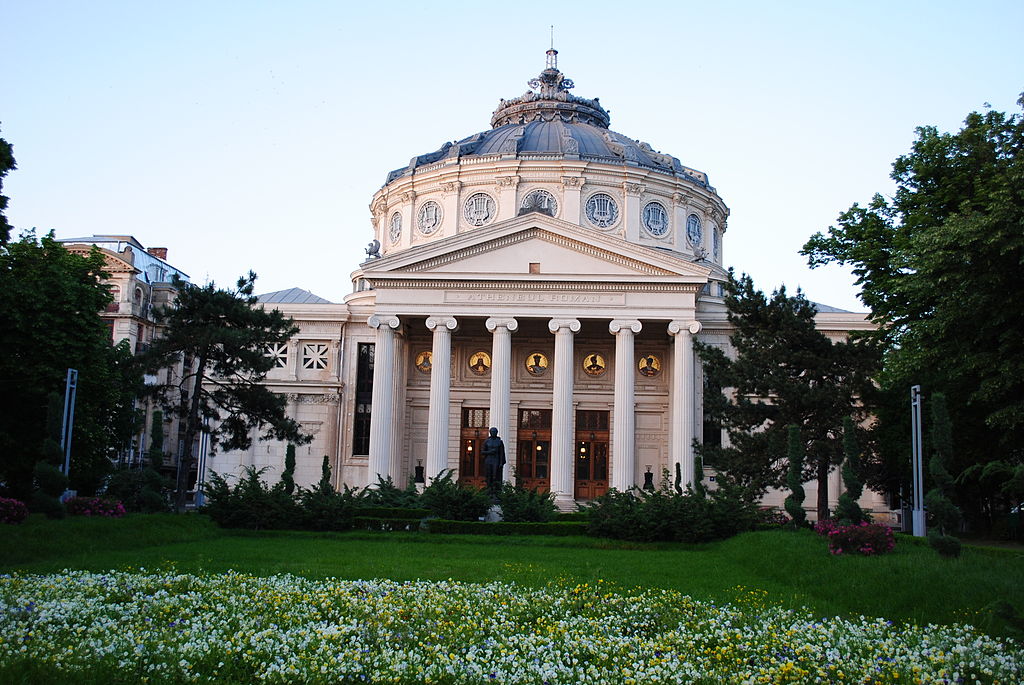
<point x="520" y="504"/>
<point x="448" y="499"/>
<point x="386" y="494"/>
<point x="771" y="517"/>
<point x="391" y="512"/>
<point x="95" y="506"/>
<point x="141" y="490"/>
<point x="864" y="538"/>
<point x="12" y="510"/>
<point x="385" y="524"/>
<point x="50" y="485"/>
<point x="250" y="503"/>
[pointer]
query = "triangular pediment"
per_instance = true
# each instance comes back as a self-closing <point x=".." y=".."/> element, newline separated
<point x="536" y="247"/>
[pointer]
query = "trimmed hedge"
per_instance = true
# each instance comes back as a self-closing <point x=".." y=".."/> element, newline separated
<point x="392" y="513"/>
<point x="573" y="516"/>
<point x="561" y="528"/>
<point x="385" y="524"/>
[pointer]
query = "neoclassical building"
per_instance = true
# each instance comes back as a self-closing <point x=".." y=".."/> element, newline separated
<point x="547" y="277"/>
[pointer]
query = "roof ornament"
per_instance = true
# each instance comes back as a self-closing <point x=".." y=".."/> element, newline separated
<point x="551" y="81"/>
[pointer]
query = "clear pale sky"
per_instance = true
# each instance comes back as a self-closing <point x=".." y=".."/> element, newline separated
<point x="252" y="135"/>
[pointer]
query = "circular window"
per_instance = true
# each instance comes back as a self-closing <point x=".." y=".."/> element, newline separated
<point x="602" y="211"/>
<point x="540" y="201"/>
<point x="429" y="217"/>
<point x="693" y="229"/>
<point x="479" y="209"/>
<point x="656" y="219"/>
<point x="395" y="227"/>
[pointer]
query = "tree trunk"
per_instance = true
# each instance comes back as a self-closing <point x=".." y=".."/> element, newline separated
<point x="192" y="427"/>
<point x="824" y="465"/>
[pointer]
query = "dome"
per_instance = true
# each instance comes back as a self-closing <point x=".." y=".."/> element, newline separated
<point x="548" y="122"/>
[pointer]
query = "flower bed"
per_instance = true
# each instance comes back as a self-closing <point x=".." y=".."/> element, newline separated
<point x="122" y="627"/>
<point x="865" y="538"/>
<point x="12" y="510"/>
<point x="95" y="506"/>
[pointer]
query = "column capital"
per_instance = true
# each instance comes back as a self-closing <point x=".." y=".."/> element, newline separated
<point x="675" y="327"/>
<point x="554" y="325"/>
<point x="622" y="325"/>
<point x="497" y="322"/>
<point x="449" y="322"/>
<point x="378" y="320"/>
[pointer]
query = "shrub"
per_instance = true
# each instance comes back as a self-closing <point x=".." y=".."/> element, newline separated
<point x="519" y="504"/>
<point x="447" y="499"/>
<point x="250" y="504"/>
<point x="826" y="526"/>
<point x="12" y="510"/>
<point x="324" y="508"/>
<point x="771" y="517"/>
<point x="865" y="538"/>
<point x="795" y="501"/>
<point x="385" y="524"/>
<point x="848" y="511"/>
<point x="95" y="506"/>
<point x="386" y="494"/>
<point x="50" y="485"/>
<point x="391" y="512"/>
<point x="141" y="490"/>
<point x="946" y="545"/>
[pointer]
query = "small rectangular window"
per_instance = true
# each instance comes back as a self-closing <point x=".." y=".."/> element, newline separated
<point x="534" y="267"/>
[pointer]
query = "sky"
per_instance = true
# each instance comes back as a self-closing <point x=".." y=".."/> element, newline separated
<point x="252" y="135"/>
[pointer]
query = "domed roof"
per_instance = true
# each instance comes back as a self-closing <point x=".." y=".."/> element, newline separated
<point x="548" y="122"/>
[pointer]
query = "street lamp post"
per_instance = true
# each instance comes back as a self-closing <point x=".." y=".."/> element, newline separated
<point x="917" y="462"/>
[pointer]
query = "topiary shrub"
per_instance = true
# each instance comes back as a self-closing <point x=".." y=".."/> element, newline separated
<point x="944" y="514"/>
<point x="448" y="499"/>
<point x="521" y="505"/>
<point x="12" y="510"/>
<point x="795" y="501"/>
<point x="50" y="485"/>
<point x="865" y="538"/>
<point x="848" y="510"/>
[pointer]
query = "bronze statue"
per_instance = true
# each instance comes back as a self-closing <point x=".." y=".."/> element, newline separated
<point x="494" y="459"/>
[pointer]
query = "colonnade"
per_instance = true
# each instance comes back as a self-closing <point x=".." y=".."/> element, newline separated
<point x="623" y="455"/>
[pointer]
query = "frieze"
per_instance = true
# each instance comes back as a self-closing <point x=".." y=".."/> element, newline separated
<point x="538" y="297"/>
<point x="312" y="398"/>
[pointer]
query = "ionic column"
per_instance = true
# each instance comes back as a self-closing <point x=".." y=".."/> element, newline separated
<point x="382" y="411"/>
<point x="624" y="426"/>
<point x="562" y="428"/>
<point x="440" y="387"/>
<point x="682" y="399"/>
<point x="501" y="380"/>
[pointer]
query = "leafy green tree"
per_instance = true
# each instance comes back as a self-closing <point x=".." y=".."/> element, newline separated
<point x="785" y="372"/>
<point x="6" y="164"/>
<point x="220" y="339"/>
<point x="50" y="301"/>
<point x="794" y="481"/>
<point x="848" y="510"/>
<point x="939" y="266"/>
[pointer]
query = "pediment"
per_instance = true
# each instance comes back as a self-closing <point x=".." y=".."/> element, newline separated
<point x="113" y="262"/>
<point x="558" y="250"/>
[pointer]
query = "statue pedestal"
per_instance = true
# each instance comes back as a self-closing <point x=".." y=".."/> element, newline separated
<point x="493" y="514"/>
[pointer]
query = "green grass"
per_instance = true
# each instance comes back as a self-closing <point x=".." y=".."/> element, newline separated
<point x="791" y="569"/>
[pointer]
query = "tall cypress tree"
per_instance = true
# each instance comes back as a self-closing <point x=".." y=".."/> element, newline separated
<point x="288" y="475"/>
<point x="794" y="480"/>
<point x="945" y="515"/>
<point x="155" y="453"/>
<point x="848" y="510"/>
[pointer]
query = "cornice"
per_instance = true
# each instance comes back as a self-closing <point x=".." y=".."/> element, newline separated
<point x="584" y="286"/>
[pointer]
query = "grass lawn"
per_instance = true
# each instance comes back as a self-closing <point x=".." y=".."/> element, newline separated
<point x="771" y="567"/>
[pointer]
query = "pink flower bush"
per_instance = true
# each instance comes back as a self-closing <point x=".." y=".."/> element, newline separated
<point x="825" y="526"/>
<point x="865" y="538"/>
<point x="12" y="510"/>
<point x="95" y="506"/>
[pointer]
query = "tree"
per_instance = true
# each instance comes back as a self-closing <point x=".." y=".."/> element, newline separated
<point x="155" y="453"/>
<point x="939" y="266"/>
<point x="795" y="501"/>
<point x="6" y="164"/>
<point x="785" y="372"/>
<point x="219" y="337"/>
<point x="288" y="475"/>
<point x="848" y="510"/>
<point x="944" y="514"/>
<point x="50" y="301"/>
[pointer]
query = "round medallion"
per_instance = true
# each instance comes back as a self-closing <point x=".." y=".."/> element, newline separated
<point x="594" y="364"/>
<point x="429" y="218"/>
<point x="693" y="229"/>
<point x="655" y="219"/>
<point x="716" y="242"/>
<point x="540" y="201"/>
<point x="537" y="363"/>
<point x="479" y="362"/>
<point x="395" y="227"/>
<point x="479" y="209"/>
<point x="424" y="361"/>
<point x="602" y="210"/>
<point x="649" y="366"/>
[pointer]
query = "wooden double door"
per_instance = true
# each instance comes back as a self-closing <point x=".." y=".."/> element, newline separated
<point x="533" y="457"/>
<point x="475" y="429"/>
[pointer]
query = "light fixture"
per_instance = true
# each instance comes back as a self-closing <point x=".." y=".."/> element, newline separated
<point x="534" y="435"/>
<point x="592" y="437"/>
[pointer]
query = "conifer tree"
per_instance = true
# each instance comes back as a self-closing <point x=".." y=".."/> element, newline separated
<point x="848" y="510"/>
<point x="945" y="515"/>
<point x="794" y="480"/>
<point x="155" y="453"/>
<point x="288" y="475"/>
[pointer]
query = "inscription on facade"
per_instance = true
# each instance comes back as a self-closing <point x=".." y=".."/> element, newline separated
<point x="556" y="298"/>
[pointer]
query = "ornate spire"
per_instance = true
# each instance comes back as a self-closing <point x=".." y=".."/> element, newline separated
<point x="549" y="99"/>
<point x="551" y="81"/>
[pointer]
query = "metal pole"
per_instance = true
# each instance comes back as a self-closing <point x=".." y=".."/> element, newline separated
<point x="917" y="461"/>
<point x="68" y="423"/>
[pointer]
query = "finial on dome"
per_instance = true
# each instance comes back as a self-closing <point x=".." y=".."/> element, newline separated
<point x="551" y="82"/>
